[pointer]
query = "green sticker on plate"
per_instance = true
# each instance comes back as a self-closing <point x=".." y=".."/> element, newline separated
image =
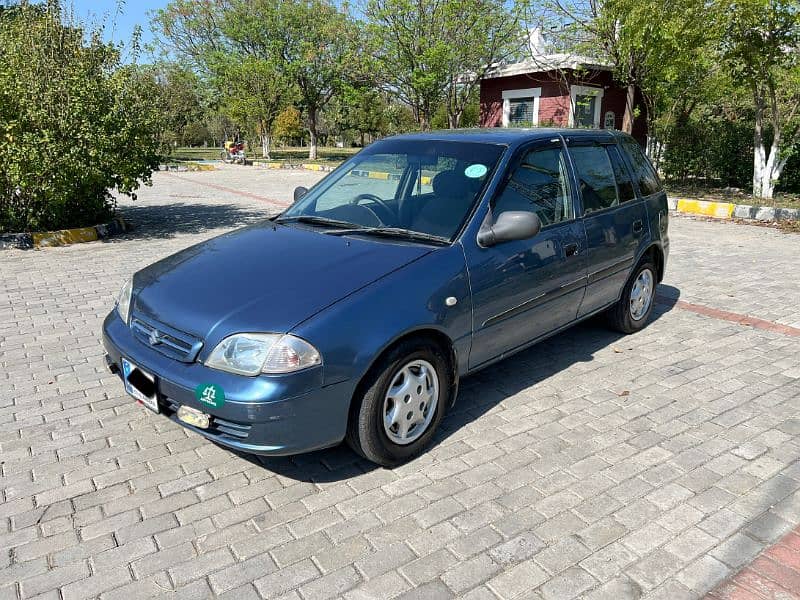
<point x="210" y="394"/>
<point x="475" y="171"/>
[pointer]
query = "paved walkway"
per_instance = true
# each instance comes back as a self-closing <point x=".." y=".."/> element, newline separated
<point x="774" y="574"/>
<point x="594" y="465"/>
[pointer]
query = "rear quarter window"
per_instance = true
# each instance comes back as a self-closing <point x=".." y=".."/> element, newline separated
<point x="643" y="171"/>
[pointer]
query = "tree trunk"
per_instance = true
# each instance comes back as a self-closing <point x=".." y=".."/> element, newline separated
<point x="454" y="120"/>
<point x="424" y="120"/>
<point x="759" y="152"/>
<point x="265" y="143"/>
<point x="312" y="133"/>
<point x="627" y="116"/>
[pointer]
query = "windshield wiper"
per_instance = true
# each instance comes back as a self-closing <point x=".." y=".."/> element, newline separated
<point x="397" y="232"/>
<point x="315" y="220"/>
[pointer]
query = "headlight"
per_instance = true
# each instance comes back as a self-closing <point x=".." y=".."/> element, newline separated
<point x="124" y="300"/>
<point x="254" y="353"/>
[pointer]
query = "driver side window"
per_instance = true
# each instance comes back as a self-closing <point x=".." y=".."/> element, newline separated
<point x="539" y="184"/>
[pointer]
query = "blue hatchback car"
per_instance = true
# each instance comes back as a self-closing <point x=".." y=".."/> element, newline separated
<point x="426" y="257"/>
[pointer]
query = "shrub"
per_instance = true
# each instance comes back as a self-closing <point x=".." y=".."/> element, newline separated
<point x="714" y="150"/>
<point x="75" y="123"/>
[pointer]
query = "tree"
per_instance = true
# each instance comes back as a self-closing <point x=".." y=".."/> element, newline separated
<point x="322" y="51"/>
<point x="435" y="51"/>
<point x="75" y="122"/>
<point x="308" y="45"/>
<point x="289" y="125"/>
<point x="180" y="102"/>
<point x="646" y="41"/>
<point x="358" y="111"/>
<point x="254" y="93"/>
<point x="761" y="48"/>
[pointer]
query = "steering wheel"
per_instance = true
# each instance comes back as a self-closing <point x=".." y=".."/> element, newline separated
<point x="377" y="200"/>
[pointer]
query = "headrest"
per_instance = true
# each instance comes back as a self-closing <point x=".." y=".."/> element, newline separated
<point x="452" y="184"/>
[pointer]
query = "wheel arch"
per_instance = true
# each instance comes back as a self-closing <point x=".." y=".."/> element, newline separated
<point x="656" y="255"/>
<point x="431" y="334"/>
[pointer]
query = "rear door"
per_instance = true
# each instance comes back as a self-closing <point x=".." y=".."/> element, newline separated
<point x="615" y="218"/>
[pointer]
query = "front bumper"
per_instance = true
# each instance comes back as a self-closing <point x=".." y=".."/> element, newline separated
<point x="268" y="414"/>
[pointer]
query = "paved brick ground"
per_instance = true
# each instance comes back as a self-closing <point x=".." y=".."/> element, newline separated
<point x="593" y="465"/>
<point x="774" y="574"/>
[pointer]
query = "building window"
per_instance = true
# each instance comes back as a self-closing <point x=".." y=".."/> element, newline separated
<point x="584" y="110"/>
<point x="521" y="107"/>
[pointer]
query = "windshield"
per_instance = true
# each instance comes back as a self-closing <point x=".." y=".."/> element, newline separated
<point x="428" y="187"/>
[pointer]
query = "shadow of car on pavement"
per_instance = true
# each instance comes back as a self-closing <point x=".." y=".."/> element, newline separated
<point x="478" y="394"/>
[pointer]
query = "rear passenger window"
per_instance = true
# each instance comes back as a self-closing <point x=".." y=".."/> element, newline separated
<point x="643" y="171"/>
<point x="624" y="183"/>
<point x="595" y="177"/>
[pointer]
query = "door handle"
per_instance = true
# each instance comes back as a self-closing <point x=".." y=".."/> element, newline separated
<point x="571" y="250"/>
<point x="638" y="226"/>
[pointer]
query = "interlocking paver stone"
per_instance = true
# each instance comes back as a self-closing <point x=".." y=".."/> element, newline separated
<point x="592" y="464"/>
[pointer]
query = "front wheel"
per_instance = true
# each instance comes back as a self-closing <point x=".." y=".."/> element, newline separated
<point x="633" y="310"/>
<point x="403" y="401"/>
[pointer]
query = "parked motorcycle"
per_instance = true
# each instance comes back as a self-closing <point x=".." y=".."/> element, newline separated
<point x="233" y="153"/>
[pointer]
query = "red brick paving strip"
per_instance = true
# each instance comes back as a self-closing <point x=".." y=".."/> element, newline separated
<point x="222" y="188"/>
<point x="773" y="575"/>
<point x="733" y="317"/>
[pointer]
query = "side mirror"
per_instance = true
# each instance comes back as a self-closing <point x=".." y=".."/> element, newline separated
<point x="299" y="192"/>
<point x="510" y="225"/>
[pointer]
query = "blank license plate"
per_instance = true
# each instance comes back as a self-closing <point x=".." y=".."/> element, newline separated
<point x="140" y="384"/>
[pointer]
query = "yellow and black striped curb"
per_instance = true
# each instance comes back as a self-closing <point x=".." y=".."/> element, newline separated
<point x="381" y="175"/>
<point x="188" y="166"/>
<point x="63" y="237"/>
<point x="729" y="210"/>
<point x="274" y="164"/>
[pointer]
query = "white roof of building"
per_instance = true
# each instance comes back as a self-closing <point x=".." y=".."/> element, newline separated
<point x="548" y="62"/>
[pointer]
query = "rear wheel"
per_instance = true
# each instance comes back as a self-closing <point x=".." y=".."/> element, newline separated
<point x="633" y="310"/>
<point x="401" y="403"/>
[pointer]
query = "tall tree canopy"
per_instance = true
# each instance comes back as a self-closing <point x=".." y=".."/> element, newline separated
<point x="760" y="46"/>
<point x="434" y="51"/>
<point x="310" y="47"/>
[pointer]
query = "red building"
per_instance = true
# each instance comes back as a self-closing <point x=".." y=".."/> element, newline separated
<point x="557" y="90"/>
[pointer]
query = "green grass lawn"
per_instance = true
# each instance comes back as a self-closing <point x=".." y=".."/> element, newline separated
<point x="331" y="156"/>
<point x="781" y="200"/>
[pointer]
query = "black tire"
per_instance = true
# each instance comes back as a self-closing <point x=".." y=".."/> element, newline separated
<point x="366" y="434"/>
<point x="619" y="316"/>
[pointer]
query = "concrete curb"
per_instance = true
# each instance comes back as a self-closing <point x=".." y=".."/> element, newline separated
<point x="63" y="237"/>
<point x="189" y="166"/>
<point x="728" y="210"/>
<point x="272" y="164"/>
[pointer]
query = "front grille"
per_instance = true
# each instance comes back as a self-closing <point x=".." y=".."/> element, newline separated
<point x="165" y="339"/>
<point x="219" y="427"/>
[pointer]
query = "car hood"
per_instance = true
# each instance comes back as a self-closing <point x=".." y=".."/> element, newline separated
<point x="265" y="277"/>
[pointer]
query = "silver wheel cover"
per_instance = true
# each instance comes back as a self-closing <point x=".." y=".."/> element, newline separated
<point x="410" y="402"/>
<point x="641" y="294"/>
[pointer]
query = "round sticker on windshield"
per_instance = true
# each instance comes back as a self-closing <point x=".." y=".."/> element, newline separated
<point x="475" y="171"/>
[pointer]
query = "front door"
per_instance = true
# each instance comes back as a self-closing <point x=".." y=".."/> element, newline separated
<point x="615" y="219"/>
<point x="522" y="290"/>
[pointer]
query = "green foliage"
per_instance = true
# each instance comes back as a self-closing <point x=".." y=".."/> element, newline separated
<point x="74" y="123"/>
<point x="288" y="125"/>
<point x="712" y="150"/>
<point x="263" y="55"/>
<point x="436" y="51"/>
<point x="759" y="47"/>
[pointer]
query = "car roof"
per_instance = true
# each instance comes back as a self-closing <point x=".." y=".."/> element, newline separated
<point x="508" y="135"/>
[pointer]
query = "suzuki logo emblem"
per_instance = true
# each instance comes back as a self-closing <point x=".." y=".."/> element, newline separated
<point x="154" y="338"/>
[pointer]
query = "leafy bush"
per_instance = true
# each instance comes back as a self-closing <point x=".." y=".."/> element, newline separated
<point x="715" y="150"/>
<point x="75" y="123"/>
